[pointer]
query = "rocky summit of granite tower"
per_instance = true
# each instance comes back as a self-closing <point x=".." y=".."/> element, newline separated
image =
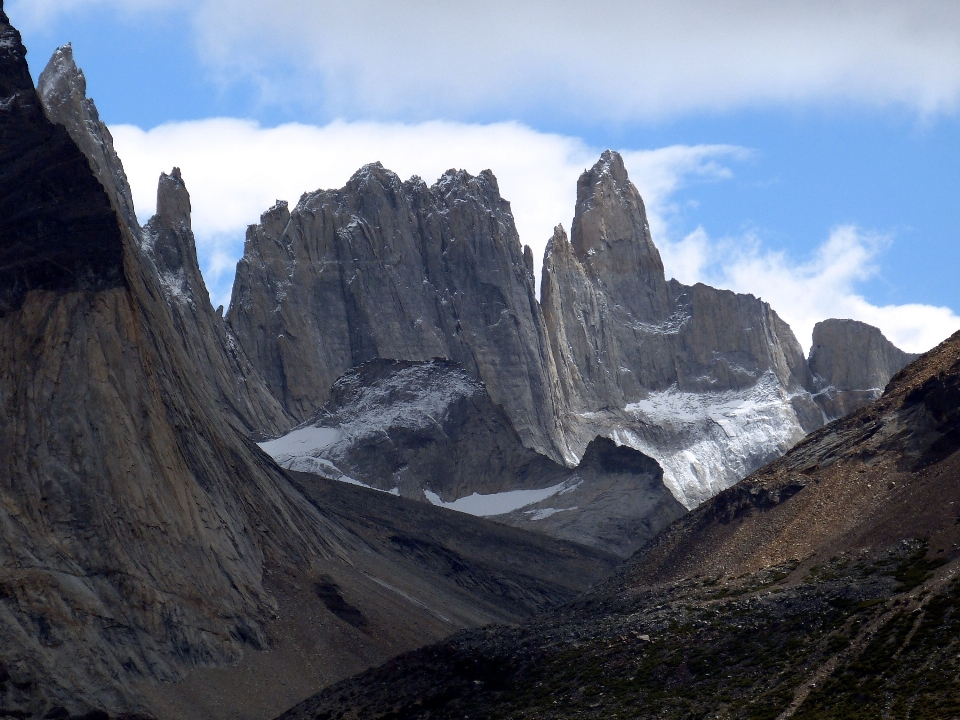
<point x="851" y="362"/>
<point x="389" y="269"/>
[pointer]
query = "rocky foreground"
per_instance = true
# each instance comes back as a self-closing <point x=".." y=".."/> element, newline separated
<point x="823" y="586"/>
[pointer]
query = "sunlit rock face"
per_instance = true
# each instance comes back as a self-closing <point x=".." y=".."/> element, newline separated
<point x="851" y="362"/>
<point x="391" y="269"/>
<point x="710" y="383"/>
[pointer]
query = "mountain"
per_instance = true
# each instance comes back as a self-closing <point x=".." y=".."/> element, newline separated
<point x="153" y="558"/>
<point x="430" y="431"/>
<point x="822" y="586"/>
<point x="851" y="362"/>
<point x="708" y="383"/>
<point x="168" y="247"/>
<point x="136" y="523"/>
<point x="387" y="269"/>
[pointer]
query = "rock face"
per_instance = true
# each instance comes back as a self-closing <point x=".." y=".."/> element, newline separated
<point x="168" y="240"/>
<point x="168" y="248"/>
<point x="386" y="269"/>
<point x="851" y="362"/>
<point x="709" y="383"/>
<point x="135" y="521"/>
<point x="430" y="432"/>
<point x="632" y="348"/>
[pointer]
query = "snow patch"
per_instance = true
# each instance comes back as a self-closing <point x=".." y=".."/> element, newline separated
<point x="707" y="441"/>
<point x="496" y="503"/>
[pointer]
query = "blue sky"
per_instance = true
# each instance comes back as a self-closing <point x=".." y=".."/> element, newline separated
<point x="809" y="154"/>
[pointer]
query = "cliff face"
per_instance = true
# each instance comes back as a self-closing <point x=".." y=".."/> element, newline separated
<point x="168" y="251"/>
<point x="851" y="362"/>
<point x="134" y="522"/>
<point x="633" y="350"/>
<point x="386" y="269"/>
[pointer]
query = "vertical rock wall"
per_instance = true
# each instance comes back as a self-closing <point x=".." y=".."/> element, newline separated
<point x="397" y="270"/>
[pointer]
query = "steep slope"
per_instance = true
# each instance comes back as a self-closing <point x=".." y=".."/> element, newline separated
<point x="710" y="383"/>
<point x="168" y="248"/>
<point x="135" y="522"/>
<point x="823" y="586"/>
<point x="430" y="432"/>
<point x="851" y="362"/>
<point x="388" y="269"/>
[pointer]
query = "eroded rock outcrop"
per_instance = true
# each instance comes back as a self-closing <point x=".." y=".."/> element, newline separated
<point x="387" y="269"/>
<point x="851" y="362"/>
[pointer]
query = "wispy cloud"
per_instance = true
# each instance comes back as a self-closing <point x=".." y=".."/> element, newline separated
<point x="622" y="59"/>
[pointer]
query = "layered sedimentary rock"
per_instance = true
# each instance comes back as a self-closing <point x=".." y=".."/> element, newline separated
<point x="429" y="431"/>
<point x="851" y="362"/>
<point x="168" y="250"/>
<point x="710" y="383"/>
<point x="387" y="269"/>
<point x="134" y="522"/>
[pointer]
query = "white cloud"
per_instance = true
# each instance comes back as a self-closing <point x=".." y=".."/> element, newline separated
<point x="236" y="169"/>
<point x="622" y="59"/>
<point x="803" y="292"/>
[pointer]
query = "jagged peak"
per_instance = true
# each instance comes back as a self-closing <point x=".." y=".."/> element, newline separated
<point x="173" y="201"/>
<point x="558" y="243"/>
<point x="373" y="172"/>
<point x="61" y="77"/>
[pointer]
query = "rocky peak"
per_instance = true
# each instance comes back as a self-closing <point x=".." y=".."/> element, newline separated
<point x="57" y="226"/>
<point x="168" y="243"/>
<point x="63" y="91"/>
<point x="611" y="237"/>
<point x="851" y="362"/>
<point x="173" y="201"/>
<point x="408" y="272"/>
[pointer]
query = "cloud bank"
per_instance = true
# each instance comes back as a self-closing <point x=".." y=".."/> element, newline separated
<point x="622" y="59"/>
<point x="235" y="169"/>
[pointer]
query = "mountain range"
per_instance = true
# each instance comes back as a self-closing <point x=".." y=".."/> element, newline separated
<point x="389" y="438"/>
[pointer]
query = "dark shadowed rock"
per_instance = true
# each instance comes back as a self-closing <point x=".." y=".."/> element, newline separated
<point x="851" y="362"/>
<point x="57" y="233"/>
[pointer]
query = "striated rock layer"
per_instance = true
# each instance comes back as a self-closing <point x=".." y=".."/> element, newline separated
<point x="387" y="269"/>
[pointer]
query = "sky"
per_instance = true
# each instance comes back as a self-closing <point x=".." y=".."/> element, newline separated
<point x="805" y="152"/>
